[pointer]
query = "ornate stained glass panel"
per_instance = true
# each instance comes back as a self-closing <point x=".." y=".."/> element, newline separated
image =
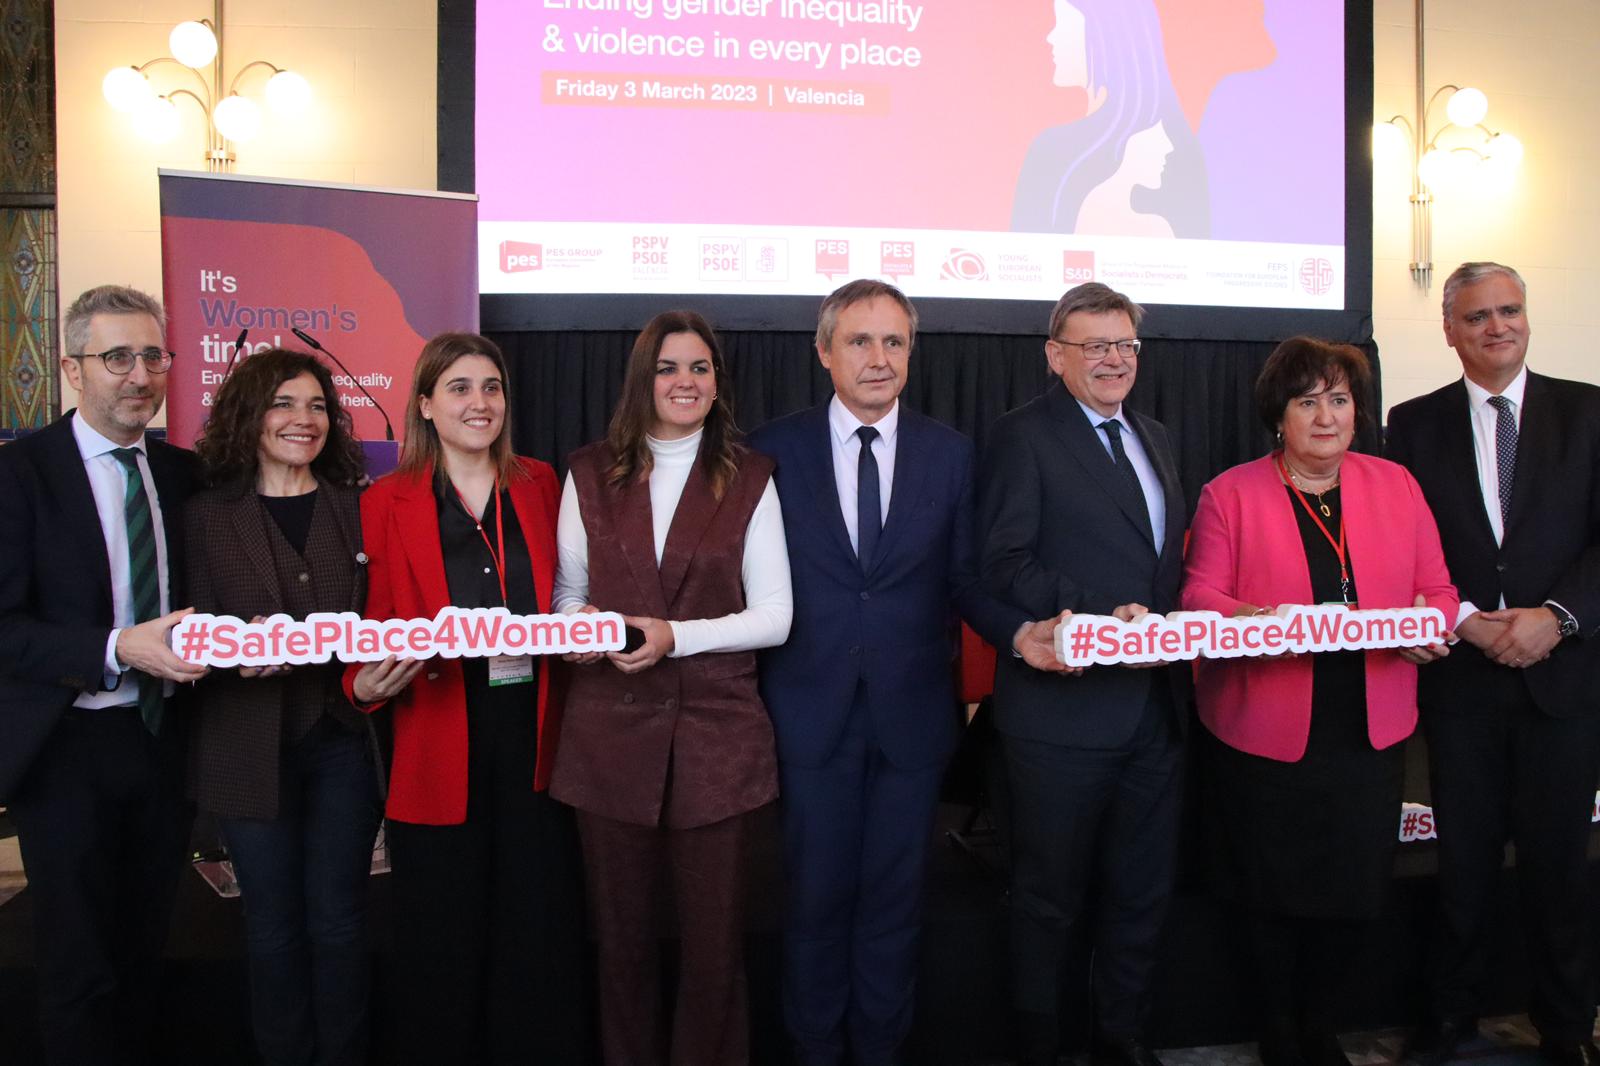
<point x="28" y="297"/>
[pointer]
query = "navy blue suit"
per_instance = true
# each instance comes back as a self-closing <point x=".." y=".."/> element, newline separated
<point x="863" y="701"/>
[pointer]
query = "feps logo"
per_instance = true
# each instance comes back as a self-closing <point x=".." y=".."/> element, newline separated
<point x="517" y="256"/>
<point x="963" y="264"/>
<point x="1077" y="267"/>
<point x="1316" y="276"/>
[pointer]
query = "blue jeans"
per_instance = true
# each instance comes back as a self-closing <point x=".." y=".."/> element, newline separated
<point x="304" y="880"/>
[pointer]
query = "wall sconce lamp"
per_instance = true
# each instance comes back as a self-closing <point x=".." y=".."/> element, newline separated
<point x="1443" y="153"/>
<point x="231" y="118"/>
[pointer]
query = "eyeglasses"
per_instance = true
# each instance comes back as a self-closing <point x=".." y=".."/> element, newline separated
<point x="120" y="360"/>
<point x="1094" y="351"/>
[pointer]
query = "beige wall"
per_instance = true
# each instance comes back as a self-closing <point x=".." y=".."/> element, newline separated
<point x="1536" y="62"/>
<point x="371" y="65"/>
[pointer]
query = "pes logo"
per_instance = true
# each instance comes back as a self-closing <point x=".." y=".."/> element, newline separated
<point x="896" y="259"/>
<point x="833" y="257"/>
<point x="963" y="264"/>
<point x="1316" y="276"/>
<point x="1077" y="267"/>
<point x="517" y="256"/>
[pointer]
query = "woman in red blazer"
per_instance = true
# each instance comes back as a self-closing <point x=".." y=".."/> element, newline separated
<point x="1303" y="760"/>
<point x="488" y="904"/>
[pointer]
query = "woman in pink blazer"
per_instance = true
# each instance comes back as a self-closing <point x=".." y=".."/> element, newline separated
<point x="1302" y="758"/>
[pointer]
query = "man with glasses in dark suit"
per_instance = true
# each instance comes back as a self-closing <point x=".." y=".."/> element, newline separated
<point x="91" y="759"/>
<point x="1082" y="511"/>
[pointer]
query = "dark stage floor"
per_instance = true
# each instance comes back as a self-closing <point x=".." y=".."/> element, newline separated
<point x="962" y="1015"/>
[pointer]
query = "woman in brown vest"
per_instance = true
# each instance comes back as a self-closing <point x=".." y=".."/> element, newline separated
<point x="666" y="750"/>
<point x="278" y="754"/>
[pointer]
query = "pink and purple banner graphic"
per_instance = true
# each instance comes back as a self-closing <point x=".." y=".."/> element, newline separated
<point x="1190" y="152"/>
<point x="369" y="274"/>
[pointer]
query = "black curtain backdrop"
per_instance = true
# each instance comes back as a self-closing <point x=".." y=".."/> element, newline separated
<point x="564" y="385"/>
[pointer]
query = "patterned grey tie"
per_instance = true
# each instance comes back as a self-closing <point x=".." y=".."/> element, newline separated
<point x="1505" y="452"/>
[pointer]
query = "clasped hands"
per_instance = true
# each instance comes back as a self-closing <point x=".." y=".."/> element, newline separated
<point x="658" y="642"/>
<point x="1516" y="637"/>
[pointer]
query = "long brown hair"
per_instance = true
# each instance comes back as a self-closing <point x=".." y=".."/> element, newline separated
<point x="229" y="444"/>
<point x="636" y="407"/>
<point x="421" y="451"/>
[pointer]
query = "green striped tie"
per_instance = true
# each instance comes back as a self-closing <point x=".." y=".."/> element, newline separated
<point x="143" y="574"/>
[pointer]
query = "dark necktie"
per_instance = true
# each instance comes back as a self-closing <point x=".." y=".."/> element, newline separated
<point x="1125" y="470"/>
<point x="869" y="500"/>
<point x="143" y="575"/>
<point x="1505" y="453"/>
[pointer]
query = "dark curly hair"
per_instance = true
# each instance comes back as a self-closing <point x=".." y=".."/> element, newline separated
<point x="228" y="444"/>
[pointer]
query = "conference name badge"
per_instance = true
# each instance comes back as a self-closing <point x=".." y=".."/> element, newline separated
<point x="510" y="670"/>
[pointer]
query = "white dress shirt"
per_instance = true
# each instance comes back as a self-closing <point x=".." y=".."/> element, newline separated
<point x="846" y="447"/>
<point x="764" y="569"/>
<point x="1155" y="498"/>
<point x="1485" y="417"/>
<point x="108" y="479"/>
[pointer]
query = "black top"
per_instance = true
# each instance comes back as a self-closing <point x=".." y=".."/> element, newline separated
<point x="1312" y="838"/>
<point x="293" y="516"/>
<point x="469" y="571"/>
<point x="1338" y="678"/>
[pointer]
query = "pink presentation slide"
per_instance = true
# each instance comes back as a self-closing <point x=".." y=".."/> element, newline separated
<point x="1192" y="152"/>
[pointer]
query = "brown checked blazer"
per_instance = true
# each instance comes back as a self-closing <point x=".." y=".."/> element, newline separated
<point x="235" y="569"/>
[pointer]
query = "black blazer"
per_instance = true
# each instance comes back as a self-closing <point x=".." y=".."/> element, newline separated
<point x="1551" y="547"/>
<point x="55" y="582"/>
<point x="1060" y="533"/>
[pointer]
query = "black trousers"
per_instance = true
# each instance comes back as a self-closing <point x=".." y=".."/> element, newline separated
<point x="104" y="830"/>
<point x="1502" y="770"/>
<point x="1096" y="825"/>
<point x="489" y="915"/>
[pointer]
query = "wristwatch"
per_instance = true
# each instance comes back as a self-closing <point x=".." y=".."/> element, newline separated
<point x="1569" y="624"/>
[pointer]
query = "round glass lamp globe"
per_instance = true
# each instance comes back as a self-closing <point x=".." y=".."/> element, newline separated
<point x="1505" y="149"/>
<point x="1467" y="107"/>
<point x="237" y="118"/>
<point x="126" y="89"/>
<point x="193" y="44"/>
<point x="157" y="120"/>
<point x="288" y="93"/>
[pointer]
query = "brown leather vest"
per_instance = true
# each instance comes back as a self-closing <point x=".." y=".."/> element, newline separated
<point x="688" y="741"/>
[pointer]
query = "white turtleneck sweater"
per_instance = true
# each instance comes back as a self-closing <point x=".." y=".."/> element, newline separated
<point x="769" y="601"/>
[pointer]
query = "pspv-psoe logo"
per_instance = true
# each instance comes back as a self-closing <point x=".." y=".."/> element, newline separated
<point x="517" y="256"/>
<point x="1077" y="267"/>
<point x="1316" y="275"/>
<point x="963" y="264"/>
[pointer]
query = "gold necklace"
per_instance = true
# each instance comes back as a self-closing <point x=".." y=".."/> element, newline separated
<point x="1296" y="477"/>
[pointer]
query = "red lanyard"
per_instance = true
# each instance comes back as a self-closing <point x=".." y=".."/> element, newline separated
<point x="1338" y="545"/>
<point x="499" y="533"/>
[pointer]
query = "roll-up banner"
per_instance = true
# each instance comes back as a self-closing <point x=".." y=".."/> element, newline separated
<point x="367" y="274"/>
